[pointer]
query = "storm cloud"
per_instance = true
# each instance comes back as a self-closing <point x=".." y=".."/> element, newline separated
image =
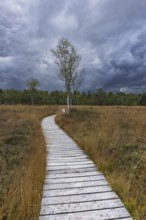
<point x="109" y="35"/>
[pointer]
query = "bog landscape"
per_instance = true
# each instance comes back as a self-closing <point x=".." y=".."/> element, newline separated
<point x="112" y="136"/>
<point x="73" y="110"/>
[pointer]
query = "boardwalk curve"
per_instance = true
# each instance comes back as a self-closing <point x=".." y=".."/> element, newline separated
<point x="74" y="188"/>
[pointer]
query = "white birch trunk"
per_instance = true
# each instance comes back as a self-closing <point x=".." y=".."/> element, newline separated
<point x="68" y="102"/>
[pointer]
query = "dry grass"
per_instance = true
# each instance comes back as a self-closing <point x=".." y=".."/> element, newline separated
<point x="115" y="139"/>
<point x="22" y="161"/>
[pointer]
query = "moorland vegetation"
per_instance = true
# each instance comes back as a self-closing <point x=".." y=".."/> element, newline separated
<point x="115" y="139"/>
<point x="22" y="160"/>
<point x="113" y="136"/>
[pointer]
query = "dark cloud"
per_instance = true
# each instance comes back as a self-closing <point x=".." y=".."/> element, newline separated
<point x="110" y="35"/>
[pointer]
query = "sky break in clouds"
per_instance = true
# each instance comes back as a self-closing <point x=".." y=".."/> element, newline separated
<point x="110" y="35"/>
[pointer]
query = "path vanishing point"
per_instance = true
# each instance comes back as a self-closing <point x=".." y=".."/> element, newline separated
<point x="73" y="187"/>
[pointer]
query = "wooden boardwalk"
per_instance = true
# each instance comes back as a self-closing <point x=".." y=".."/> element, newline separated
<point x="73" y="187"/>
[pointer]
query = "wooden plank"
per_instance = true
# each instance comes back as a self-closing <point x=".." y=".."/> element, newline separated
<point x="80" y="207"/>
<point x="105" y="214"/>
<point x="69" y="156"/>
<point x="66" y="159"/>
<point x="62" y="143"/>
<point x="64" y="163"/>
<point x="67" y="150"/>
<point x="68" y="175"/>
<point x="73" y="170"/>
<point x="79" y="198"/>
<point x="75" y="184"/>
<point x="64" y="149"/>
<point x="68" y="166"/>
<point x="76" y="191"/>
<point x="75" y="179"/>
<point x="66" y="145"/>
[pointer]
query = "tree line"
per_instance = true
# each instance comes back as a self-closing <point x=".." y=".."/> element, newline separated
<point x="99" y="97"/>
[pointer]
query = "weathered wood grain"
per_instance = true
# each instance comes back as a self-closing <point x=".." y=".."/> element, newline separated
<point x="106" y="214"/>
<point x="81" y="179"/>
<point x="81" y="207"/>
<point x="67" y="175"/>
<point x="79" y="198"/>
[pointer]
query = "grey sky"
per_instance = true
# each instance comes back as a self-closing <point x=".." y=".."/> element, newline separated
<point x="110" y="35"/>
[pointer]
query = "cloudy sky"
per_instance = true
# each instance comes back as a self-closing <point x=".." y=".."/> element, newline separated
<point x="110" y="36"/>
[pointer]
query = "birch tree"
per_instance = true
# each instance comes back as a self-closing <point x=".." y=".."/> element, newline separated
<point x="68" y="60"/>
<point x="32" y="85"/>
